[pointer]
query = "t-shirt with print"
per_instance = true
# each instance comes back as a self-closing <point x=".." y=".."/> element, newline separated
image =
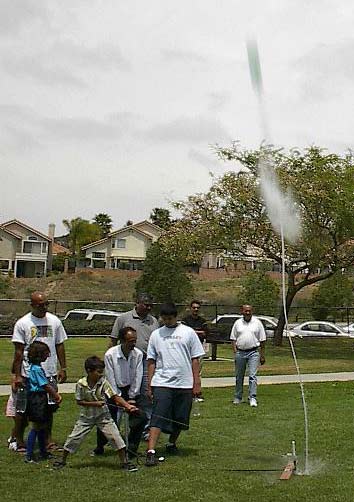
<point x="47" y="329"/>
<point x="173" y="350"/>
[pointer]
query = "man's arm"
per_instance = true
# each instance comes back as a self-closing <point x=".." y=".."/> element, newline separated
<point x="60" y="350"/>
<point x="151" y="366"/>
<point x="17" y="363"/>
<point x="135" y="385"/>
<point x="262" y="352"/>
<point x="113" y="337"/>
<point x="196" y="376"/>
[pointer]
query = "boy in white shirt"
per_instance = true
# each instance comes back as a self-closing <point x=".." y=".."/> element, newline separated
<point x="173" y="376"/>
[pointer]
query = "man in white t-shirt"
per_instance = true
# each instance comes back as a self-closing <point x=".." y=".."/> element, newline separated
<point x="248" y="342"/>
<point x="41" y="326"/>
<point x="173" y="378"/>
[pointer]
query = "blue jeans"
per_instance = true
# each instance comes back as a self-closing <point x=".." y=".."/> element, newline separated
<point x="241" y="359"/>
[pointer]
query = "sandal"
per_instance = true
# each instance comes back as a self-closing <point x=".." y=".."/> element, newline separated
<point x="54" y="447"/>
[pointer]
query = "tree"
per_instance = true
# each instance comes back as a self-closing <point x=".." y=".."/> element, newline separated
<point x="337" y="291"/>
<point x="231" y="217"/>
<point x="81" y="232"/>
<point x="104" y="221"/>
<point x="164" y="276"/>
<point x="161" y="217"/>
<point x="260" y="290"/>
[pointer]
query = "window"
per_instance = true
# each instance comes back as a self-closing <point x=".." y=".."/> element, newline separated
<point x="76" y="316"/>
<point x="32" y="247"/>
<point x="119" y="243"/>
<point x="103" y="317"/>
<point x="44" y="248"/>
<point x="98" y="255"/>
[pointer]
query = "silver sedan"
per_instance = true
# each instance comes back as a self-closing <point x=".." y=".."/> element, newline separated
<point x="319" y="328"/>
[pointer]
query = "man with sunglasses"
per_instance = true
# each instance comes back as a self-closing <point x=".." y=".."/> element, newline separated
<point x="41" y="326"/>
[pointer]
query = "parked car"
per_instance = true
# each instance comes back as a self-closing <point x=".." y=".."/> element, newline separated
<point x="228" y="320"/>
<point x="348" y="328"/>
<point x="91" y="315"/>
<point x="320" y="328"/>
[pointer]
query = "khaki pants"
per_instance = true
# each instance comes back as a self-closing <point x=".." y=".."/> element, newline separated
<point x="83" y="427"/>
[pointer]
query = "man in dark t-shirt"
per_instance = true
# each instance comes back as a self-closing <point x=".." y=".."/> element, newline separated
<point x="200" y="326"/>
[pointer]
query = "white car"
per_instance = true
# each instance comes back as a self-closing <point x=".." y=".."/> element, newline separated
<point x="348" y="329"/>
<point x="269" y="323"/>
<point x="91" y="315"/>
<point x="320" y="328"/>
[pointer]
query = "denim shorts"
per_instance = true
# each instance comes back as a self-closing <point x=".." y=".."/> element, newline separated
<point x="171" y="409"/>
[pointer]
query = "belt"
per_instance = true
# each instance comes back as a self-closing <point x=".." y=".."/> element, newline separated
<point x="248" y="350"/>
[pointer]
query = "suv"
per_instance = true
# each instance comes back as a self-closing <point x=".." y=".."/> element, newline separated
<point x="91" y="315"/>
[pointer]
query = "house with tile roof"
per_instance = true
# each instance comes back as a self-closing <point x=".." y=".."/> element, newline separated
<point x="24" y="251"/>
<point x="124" y="248"/>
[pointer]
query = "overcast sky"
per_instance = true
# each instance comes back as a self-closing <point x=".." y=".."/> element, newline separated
<point x="112" y="105"/>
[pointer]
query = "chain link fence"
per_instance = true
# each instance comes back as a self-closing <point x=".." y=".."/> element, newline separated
<point x="96" y="318"/>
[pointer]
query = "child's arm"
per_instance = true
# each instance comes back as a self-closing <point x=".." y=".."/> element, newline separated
<point x="122" y="403"/>
<point x="94" y="404"/>
<point x="53" y="393"/>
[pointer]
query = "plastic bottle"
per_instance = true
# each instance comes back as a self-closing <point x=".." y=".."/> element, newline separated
<point x="196" y="407"/>
<point x="21" y="400"/>
<point x="53" y="383"/>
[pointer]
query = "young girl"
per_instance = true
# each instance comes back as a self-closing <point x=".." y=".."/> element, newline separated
<point x="38" y="411"/>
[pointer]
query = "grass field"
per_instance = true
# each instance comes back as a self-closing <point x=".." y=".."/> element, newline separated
<point x="230" y="453"/>
<point x="315" y="356"/>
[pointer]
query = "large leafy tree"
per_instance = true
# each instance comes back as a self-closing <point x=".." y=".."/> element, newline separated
<point x="337" y="291"/>
<point x="161" y="217"/>
<point x="164" y="275"/>
<point x="104" y="221"/>
<point x="81" y="232"/>
<point x="231" y="217"/>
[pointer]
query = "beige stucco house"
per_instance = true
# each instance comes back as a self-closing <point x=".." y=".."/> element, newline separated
<point x="124" y="248"/>
<point x="24" y="251"/>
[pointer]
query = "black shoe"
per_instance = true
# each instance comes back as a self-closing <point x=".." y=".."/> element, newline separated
<point x="30" y="461"/>
<point x="151" y="459"/>
<point x="172" y="449"/>
<point x="97" y="452"/>
<point x="46" y="456"/>
<point x="129" y="467"/>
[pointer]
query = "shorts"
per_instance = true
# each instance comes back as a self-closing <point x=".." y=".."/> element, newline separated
<point x="171" y="409"/>
<point x="11" y="406"/>
<point x="38" y="409"/>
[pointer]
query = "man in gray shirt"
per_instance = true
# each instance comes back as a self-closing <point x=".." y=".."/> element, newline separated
<point x="144" y="324"/>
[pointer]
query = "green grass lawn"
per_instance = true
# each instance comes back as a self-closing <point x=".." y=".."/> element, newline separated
<point x="315" y="356"/>
<point x="220" y="455"/>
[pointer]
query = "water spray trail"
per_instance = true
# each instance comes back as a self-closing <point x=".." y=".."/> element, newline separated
<point x="281" y="213"/>
<point x="301" y="383"/>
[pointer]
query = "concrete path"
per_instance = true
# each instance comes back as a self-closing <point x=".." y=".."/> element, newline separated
<point x="68" y="388"/>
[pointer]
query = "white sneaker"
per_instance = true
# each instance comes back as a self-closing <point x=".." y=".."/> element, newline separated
<point x="253" y="402"/>
<point x="237" y="401"/>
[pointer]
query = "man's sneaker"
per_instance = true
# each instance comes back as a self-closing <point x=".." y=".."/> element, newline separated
<point x="172" y="449"/>
<point x="129" y="467"/>
<point x="253" y="402"/>
<point x="96" y="452"/>
<point x="237" y="401"/>
<point x="151" y="459"/>
<point x="30" y="461"/>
